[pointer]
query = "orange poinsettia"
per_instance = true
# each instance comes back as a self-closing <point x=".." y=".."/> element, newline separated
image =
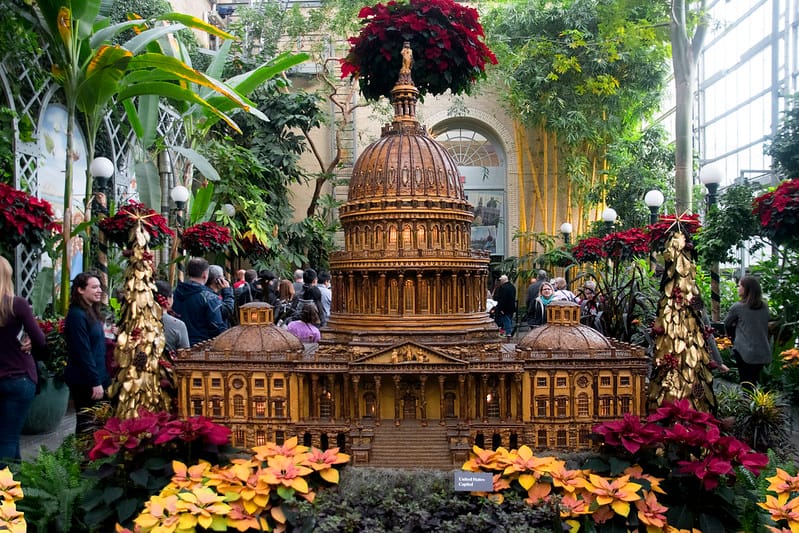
<point x="651" y="513"/>
<point x="782" y="481"/>
<point x="282" y="470"/>
<point x="527" y="465"/>
<point x="290" y="448"/>
<point x="783" y="507"/>
<point x="10" y="489"/>
<point x="323" y="461"/>
<point x="617" y="493"/>
<point x="568" y="480"/>
<point x="481" y="459"/>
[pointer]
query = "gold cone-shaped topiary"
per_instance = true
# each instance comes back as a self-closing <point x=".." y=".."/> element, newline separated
<point x="140" y="342"/>
<point x="681" y="357"/>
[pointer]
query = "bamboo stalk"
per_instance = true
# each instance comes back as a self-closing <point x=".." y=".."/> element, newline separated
<point x="524" y="244"/>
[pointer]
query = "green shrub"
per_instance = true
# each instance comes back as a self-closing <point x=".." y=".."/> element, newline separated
<point x="382" y="500"/>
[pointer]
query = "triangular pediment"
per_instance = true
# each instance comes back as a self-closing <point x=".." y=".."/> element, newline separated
<point x="408" y="353"/>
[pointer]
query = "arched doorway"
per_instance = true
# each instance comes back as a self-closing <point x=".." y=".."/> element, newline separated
<point x="482" y="164"/>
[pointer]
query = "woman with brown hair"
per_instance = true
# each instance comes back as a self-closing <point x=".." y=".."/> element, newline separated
<point x="86" y="373"/>
<point x="17" y="368"/>
<point x="747" y="325"/>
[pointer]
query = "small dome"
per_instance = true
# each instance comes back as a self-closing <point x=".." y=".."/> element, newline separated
<point x="256" y="333"/>
<point x="561" y="338"/>
<point x="563" y="332"/>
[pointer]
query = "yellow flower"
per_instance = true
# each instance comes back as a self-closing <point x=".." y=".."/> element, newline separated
<point x="617" y="493"/>
<point x="284" y="471"/>
<point x="64" y="25"/>
<point x="161" y="513"/>
<point x="782" y="508"/>
<point x="203" y="507"/>
<point x="188" y="477"/>
<point x="10" y="490"/>
<point x="783" y="482"/>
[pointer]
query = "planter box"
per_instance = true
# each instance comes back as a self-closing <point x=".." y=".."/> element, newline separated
<point x="48" y="408"/>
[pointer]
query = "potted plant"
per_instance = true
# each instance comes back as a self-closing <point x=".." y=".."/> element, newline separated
<point x="120" y="228"/>
<point x="446" y="39"/>
<point x="51" y="401"/>
<point x="205" y="237"/>
<point x="24" y="219"/>
<point x="778" y="213"/>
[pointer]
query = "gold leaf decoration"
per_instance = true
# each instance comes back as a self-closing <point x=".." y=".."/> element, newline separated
<point x="141" y="340"/>
<point x="681" y="358"/>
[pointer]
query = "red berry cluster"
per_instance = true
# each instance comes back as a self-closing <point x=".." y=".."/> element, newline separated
<point x="670" y="361"/>
<point x="676" y="293"/>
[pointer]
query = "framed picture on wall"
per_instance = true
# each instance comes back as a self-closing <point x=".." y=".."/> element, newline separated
<point x="489" y="215"/>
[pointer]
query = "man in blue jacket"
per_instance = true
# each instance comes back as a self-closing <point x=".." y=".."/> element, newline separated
<point x="198" y="306"/>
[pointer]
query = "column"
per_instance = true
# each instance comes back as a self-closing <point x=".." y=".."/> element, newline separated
<point x="436" y="304"/>
<point x="462" y="401"/>
<point x="468" y="300"/>
<point x="356" y="403"/>
<point x="377" y="400"/>
<point x="482" y="400"/>
<point x="442" y="416"/>
<point x="453" y="294"/>
<point x="401" y="294"/>
<point x="382" y="288"/>
<point x="313" y="410"/>
<point x="416" y="302"/>
<point x="423" y="380"/>
<point x="330" y="382"/>
<point x="519" y="393"/>
<point x="504" y="399"/>
<point x="287" y="383"/>
<point x="397" y="378"/>
<point x="269" y="394"/>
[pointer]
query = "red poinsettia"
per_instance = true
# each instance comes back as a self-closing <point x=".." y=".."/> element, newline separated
<point x="589" y="250"/>
<point x="24" y="219"/>
<point x="625" y="245"/>
<point x="118" y="228"/>
<point x="666" y="225"/>
<point x="446" y="39"/>
<point x="205" y="237"/>
<point x="778" y="213"/>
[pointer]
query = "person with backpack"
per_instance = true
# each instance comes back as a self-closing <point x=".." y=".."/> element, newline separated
<point x="249" y="292"/>
<point x="285" y="295"/>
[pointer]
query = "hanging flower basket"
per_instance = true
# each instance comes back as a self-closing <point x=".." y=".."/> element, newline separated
<point x="205" y="237"/>
<point x="778" y="213"/>
<point x="446" y="39"/>
<point x="25" y="219"/>
<point x="119" y="228"/>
